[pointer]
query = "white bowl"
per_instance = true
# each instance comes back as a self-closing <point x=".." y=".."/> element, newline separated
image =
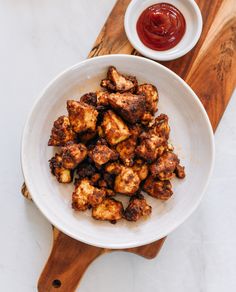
<point x="191" y="134"/>
<point x="193" y="18"/>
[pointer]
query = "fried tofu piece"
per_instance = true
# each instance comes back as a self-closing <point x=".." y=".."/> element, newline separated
<point x="154" y="141"/>
<point x="62" y="174"/>
<point x="127" y="181"/>
<point x="110" y="210"/>
<point x="115" y="81"/>
<point x="158" y="189"/>
<point x="126" y="150"/>
<point x="113" y="168"/>
<point x="165" y="166"/>
<point x="161" y="126"/>
<point x="86" y="195"/>
<point x="141" y="168"/>
<point x="82" y="116"/>
<point x="151" y="147"/>
<point x="114" y="128"/>
<point x="147" y="118"/>
<point x="102" y="98"/>
<point x="101" y="154"/>
<point x="137" y="208"/>
<point x="129" y="106"/>
<point x="61" y="132"/>
<point x="73" y="154"/>
<point x="102" y="106"/>
<point x="89" y="98"/>
<point x="151" y="95"/>
<point x="180" y="171"/>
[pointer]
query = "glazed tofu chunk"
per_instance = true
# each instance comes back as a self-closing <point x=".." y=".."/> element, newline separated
<point x="137" y="208"/>
<point x="114" y="128"/>
<point x="102" y="98"/>
<point x="151" y="95"/>
<point x="141" y="168"/>
<point x="154" y="142"/>
<point x="129" y="106"/>
<point x="110" y="210"/>
<point x="127" y="182"/>
<point x="82" y="116"/>
<point x="151" y="146"/>
<point x="115" y="81"/>
<point x="73" y="154"/>
<point x="86" y="195"/>
<point x="101" y="154"/>
<point x="61" y="132"/>
<point x="165" y="166"/>
<point x="158" y="189"/>
<point x="147" y="118"/>
<point x="126" y="150"/>
<point x="161" y="126"/>
<point x="113" y="168"/>
<point x="62" y="174"/>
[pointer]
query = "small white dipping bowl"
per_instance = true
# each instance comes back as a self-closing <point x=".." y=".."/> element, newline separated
<point x="193" y="18"/>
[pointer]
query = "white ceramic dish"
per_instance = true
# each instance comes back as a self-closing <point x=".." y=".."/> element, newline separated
<point x="193" y="18"/>
<point x="191" y="134"/>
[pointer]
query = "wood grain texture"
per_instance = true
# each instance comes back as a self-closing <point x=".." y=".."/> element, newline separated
<point x="209" y="69"/>
<point x="212" y="73"/>
<point x="112" y="38"/>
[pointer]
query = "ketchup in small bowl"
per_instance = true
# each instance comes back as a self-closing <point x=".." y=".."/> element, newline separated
<point x="161" y="26"/>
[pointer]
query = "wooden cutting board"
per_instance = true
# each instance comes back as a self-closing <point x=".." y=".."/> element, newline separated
<point x="209" y="69"/>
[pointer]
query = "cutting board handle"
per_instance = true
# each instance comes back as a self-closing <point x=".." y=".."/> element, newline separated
<point x="67" y="263"/>
<point x="70" y="258"/>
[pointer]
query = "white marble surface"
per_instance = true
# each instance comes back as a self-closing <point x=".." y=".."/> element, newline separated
<point x="38" y="40"/>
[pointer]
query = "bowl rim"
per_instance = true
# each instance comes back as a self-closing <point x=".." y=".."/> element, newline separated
<point x="161" y="55"/>
<point x="80" y="237"/>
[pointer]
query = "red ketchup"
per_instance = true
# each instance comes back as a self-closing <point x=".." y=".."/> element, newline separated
<point x="161" y="26"/>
